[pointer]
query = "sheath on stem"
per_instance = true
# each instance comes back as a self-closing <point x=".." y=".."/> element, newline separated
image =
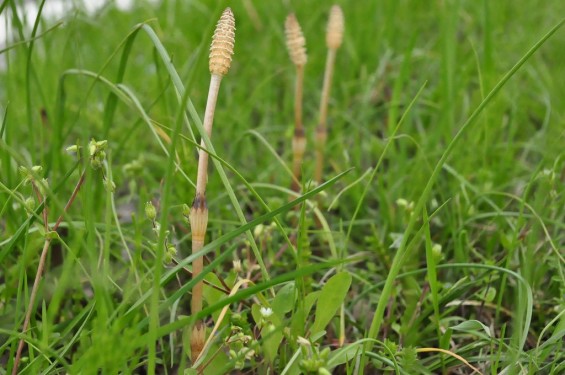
<point x="221" y="52"/>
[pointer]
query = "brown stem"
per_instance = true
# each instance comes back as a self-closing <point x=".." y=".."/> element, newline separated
<point x="44" y="212"/>
<point x="202" y="177"/>
<point x="31" y="303"/>
<point x="40" y="268"/>
<point x="199" y="220"/>
<point x="299" y="139"/>
<point x="198" y="223"/>
<point x="298" y="148"/>
<point x="71" y="200"/>
<point x="298" y="93"/>
<point x="221" y="51"/>
<point x="321" y="131"/>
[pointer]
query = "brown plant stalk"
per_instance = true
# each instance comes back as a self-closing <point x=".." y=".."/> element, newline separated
<point x="334" y="38"/>
<point x="42" y="260"/>
<point x="296" y="45"/>
<point x="221" y="52"/>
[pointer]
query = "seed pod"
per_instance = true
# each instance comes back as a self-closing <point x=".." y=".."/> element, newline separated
<point x="295" y="41"/>
<point x="223" y="42"/>
<point x="334" y="34"/>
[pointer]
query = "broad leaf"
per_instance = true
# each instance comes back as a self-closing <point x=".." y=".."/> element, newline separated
<point x="472" y="326"/>
<point x="332" y="296"/>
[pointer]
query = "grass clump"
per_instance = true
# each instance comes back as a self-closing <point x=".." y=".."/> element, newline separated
<point x="437" y="244"/>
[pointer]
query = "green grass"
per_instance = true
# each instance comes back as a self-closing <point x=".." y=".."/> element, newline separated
<point x="445" y="175"/>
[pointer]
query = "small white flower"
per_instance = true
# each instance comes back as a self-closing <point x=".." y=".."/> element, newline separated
<point x="407" y="205"/>
<point x="401" y="202"/>
<point x="237" y="266"/>
<point x="302" y="341"/>
<point x="73" y="148"/>
<point x="37" y="169"/>
<point x="250" y="354"/>
<point x="258" y="231"/>
<point x="266" y="312"/>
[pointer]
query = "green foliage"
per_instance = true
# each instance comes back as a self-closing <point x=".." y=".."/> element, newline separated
<point x="472" y="326"/>
<point x="441" y="225"/>
<point x="331" y="297"/>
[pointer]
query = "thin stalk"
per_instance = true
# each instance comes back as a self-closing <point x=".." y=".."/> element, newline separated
<point x="219" y="64"/>
<point x="299" y="139"/>
<point x="41" y="267"/>
<point x="32" y="297"/>
<point x="321" y="130"/>
<point x="334" y="38"/>
<point x="199" y="220"/>
<point x="296" y="43"/>
<point x="202" y="175"/>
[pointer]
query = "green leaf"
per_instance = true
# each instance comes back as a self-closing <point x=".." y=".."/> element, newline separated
<point x="272" y="337"/>
<point x="241" y="295"/>
<point x="309" y="301"/>
<point x="255" y="313"/>
<point x="487" y="294"/>
<point x="170" y="274"/>
<point x="345" y="354"/>
<point x="299" y="318"/>
<point x="271" y="333"/>
<point x="212" y="295"/>
<point x="472" y="326"/>
<point x="284" y="300"/>
<point x="445" y="338"/>
<point x="555" y="338"/>
<point x="318" y="335"/>
<point x="331" y="297"/>
<point x="409" y="361"/>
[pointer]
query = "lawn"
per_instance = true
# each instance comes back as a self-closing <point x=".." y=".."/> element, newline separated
<point x="432" y="242"/>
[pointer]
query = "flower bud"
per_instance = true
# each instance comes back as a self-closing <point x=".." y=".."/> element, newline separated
<point x="73" y="148"/>
<point x="437" y="251"/>
<point x="29" y="204"/>
<point x="92" y="147"/>
<point x="101" y="145"/>
<point x="237" y="266"/>
<point x="37" y="169"/>
<point x="109" y="185"/>
<point x="150" y="211"/>
<point x="95" y="163"/>
<point x="24" y="172"/>
<point x="43" y="186"/>
<point x="258" y="231"/>
<point x="169" y="254"/>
